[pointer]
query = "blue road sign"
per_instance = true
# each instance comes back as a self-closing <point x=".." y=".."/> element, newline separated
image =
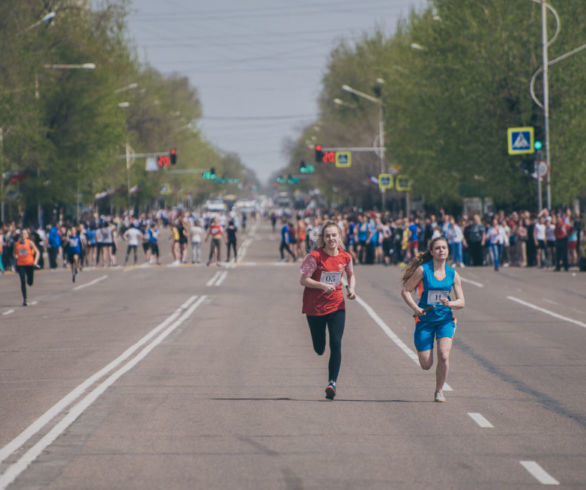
<point x="520" y="140"/>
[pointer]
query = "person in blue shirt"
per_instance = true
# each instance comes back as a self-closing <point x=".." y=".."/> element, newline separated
<point x="54" y="246"/>
<point x="434" y="320"/>
<point x="74" y="250"/>
<point x="285" y="240"/>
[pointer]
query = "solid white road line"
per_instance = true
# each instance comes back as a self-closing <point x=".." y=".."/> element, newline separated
<point x="8" y="312"/>
<point x="221" y="278"/>
<point x="91" y="283"/>
<point x="385" y="328"/>
<point x="551" y="313"/>
<point x="38" y="424"/>
<point x="539" y="473"/>
<point x="213" y="279"/>
<point x="480" y="420"/>
<point x="14" y="470"/>
<point x="470" y="281"/>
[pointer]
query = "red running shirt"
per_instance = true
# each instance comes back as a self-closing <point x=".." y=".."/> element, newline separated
<point x="327" y="269"/>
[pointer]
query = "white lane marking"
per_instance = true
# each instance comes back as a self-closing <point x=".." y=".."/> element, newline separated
<point x="480" y="420"/>
<point x="8" y="312"/>
<point x="539" y="473"/>
<point x="385" y="328"/>
<point x="91" y="283"/>
<point x="551" y="313"/>
<point x="14" y="470"/>
<point x="44" y="419"/>
<point x="213" y="279"/>
<point x="221" y="278"/>
<point x="470" y="281"/>
<point x="33" y="303"/>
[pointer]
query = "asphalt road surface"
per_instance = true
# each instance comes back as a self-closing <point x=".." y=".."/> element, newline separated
<point x="195" y="377"/>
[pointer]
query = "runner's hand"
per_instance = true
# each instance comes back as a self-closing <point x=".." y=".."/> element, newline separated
<point x="350" y="292"/>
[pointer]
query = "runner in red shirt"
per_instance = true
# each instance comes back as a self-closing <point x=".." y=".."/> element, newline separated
<point x="323" y="299"/>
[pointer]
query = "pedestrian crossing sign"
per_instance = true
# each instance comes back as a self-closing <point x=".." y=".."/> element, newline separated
<point x="520" y="140"/>
<point x="385" y="181"/>
<point x="343" y="159"/>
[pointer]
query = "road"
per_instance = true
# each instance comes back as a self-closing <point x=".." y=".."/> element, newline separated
<point x="204" y="377"/>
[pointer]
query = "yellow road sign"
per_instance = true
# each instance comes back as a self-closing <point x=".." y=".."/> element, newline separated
<point x="343" y="159"/>
<point x="403" y="183"/>
<point x="385" y="181"/>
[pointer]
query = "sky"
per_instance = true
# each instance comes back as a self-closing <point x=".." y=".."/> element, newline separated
<point x="257" y="65"/>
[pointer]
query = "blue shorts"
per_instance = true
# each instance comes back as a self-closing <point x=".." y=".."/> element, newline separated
<point x="425" y="332"/>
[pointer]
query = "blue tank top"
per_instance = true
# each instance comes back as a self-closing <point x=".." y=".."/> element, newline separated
<point x="431" y="289"/>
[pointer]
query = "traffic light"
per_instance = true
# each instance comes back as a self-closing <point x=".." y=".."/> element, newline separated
<point x="173" y="156"/>
<point x="319" y="154"/>
<point x="305" y="168"/>
<point x="538" y="145"/>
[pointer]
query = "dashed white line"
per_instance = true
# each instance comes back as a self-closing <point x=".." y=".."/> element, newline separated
<point x="91" y="283"/>
<point x="385" y="328"/>
<point x="480" y="420"/>
<point x="470" y="281"/>
<point x="14" y="470"/>
<point x="8" y="312"/>
<point x="221" y="278"/>
<point x="539" y="473"/>
<point x="551" y="313"/>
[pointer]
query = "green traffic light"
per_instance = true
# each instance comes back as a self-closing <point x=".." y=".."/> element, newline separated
<point x="538" y="145"/>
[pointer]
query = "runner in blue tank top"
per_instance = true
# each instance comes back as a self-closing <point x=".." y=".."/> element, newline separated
<point x="434" y="280"/>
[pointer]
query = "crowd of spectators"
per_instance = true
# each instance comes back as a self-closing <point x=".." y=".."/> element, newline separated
<point x="520" y="239"/>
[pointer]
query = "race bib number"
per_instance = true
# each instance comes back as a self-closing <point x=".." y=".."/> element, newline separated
<point x="22" y="252"/>
<point x="434" y="297"/>
<point x="330" y="278"/>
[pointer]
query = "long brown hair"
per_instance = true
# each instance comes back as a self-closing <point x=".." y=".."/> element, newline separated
<point x="421" y="258"/>
<point x="320" y="240"/>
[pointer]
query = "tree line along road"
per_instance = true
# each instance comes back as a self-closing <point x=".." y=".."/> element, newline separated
<point x="205" y="377"/>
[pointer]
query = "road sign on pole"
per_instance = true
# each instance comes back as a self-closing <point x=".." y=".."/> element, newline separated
<point x="385" y="181"/>
<point x="403" y="183"/>
<point x="520" y="140"/>
<point x="343" y="159"/>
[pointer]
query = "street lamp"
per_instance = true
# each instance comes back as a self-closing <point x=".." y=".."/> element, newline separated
<point x="49" y="66"/>
<point x="545" y="69"/>
<point x="381" y="133"/>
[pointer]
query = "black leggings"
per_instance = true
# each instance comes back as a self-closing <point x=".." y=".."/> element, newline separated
<point x="232" y="245"/>
<point x="335" y="322"/>
<point x="27" y="274"/>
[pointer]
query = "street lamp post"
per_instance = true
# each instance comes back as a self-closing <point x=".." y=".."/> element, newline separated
<point x="47" y="66"/>
<point x="381" y="132"/>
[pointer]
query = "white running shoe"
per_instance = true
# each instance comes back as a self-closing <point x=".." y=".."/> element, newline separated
<point x="439" y="397"/>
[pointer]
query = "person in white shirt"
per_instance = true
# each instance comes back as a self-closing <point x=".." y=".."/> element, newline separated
<point x="456" y="240"/>
<point x="539" y="237"/>
<point x="197" y="233"/>
<point x="133" y="236"/>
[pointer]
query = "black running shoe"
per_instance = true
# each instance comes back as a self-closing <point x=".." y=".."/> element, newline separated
<point x="331" y="390"/>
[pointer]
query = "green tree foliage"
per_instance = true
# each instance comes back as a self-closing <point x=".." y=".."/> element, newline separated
<point x="456" y="77"/>
<point x="68" y="128"/>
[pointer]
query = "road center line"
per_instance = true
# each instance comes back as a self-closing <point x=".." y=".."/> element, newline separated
<point x="44" y="419"/>
<point x="213" y="279"/>
<point x="221" y="278"/>
<point x="551" y="313"/>
<point x="480" y="420"/>
<point x="470" y="281"/>
<point x="539" y="473"/>
<point x="14" y="470"/>
<point x="385" y="328"/>
<point x="91" y="283"/>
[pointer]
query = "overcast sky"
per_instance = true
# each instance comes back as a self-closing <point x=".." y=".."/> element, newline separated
<point x="256" y="64"/>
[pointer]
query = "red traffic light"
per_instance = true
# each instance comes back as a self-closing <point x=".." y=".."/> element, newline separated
<point x="173" y="156"/>
<point x="318" y="147"/>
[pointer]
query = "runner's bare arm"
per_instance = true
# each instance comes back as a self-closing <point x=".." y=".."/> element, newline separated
<point x="459" y="302"/>
<point x="409" y="287"/>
